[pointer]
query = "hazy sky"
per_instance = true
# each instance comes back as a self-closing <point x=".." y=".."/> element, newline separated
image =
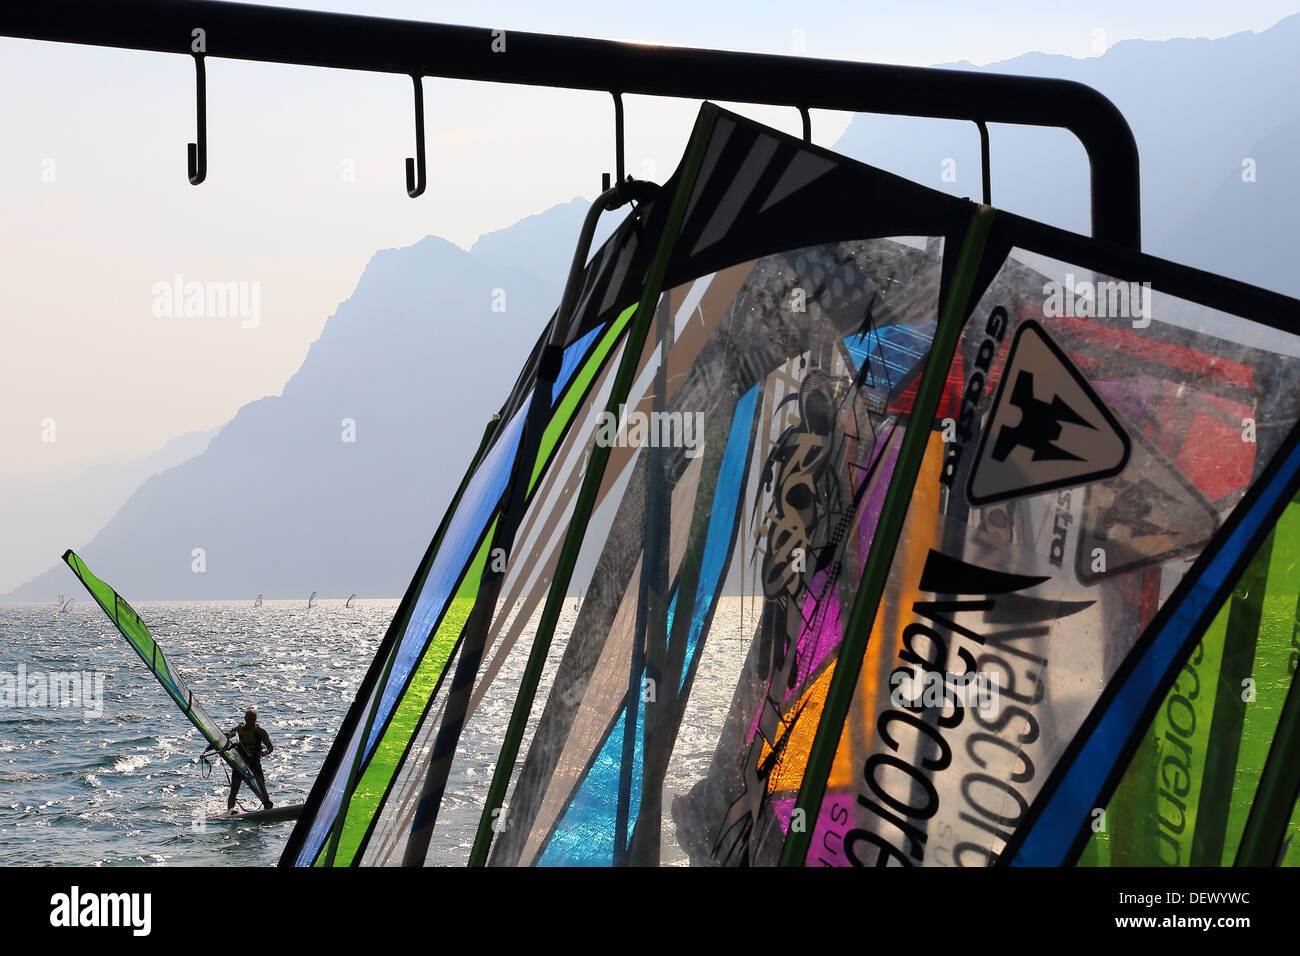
<point x="305" y="183"/>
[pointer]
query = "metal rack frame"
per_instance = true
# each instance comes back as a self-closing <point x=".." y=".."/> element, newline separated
<point x="340" y="41"/>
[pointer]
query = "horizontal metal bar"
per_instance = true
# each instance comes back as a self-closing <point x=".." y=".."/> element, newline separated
<point x="343" y="41"/>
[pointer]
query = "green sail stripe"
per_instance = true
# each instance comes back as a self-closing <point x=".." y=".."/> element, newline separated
<point x="379" y="769"/>
<point x="1265" y="830"/>
<point x="397" y="626"/>
<point x="123" y="617"/>
<point x="893" y="514"/>
<point x="385" y="758"/>
<point x="1171" y="807"/>
<point x="1272" y="677"/>
<point x="575" y="392"/>
<point x="1242" y="631"/>
<point x="478" y="619"/>
<point x="1153" y="816"/>
<point x="586" y="500"/>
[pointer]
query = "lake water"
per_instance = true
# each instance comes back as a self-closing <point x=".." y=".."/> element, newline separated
<point x="124" y="786"/>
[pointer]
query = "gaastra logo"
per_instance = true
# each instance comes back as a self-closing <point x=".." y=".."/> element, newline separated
<point x="1047" y="428"/>
<point x="1040" y="424"/>
<point x="1060" y="528"/>
<point x="75" y="909"/>
<point x="973" y="394"/>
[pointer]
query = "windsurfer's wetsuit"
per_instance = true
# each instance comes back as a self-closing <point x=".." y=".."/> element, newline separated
<point x="249" y="741"/>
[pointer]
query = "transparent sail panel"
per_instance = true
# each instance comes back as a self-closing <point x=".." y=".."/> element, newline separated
<point x="758" y="441"/>
<point x="1098" y="436"/>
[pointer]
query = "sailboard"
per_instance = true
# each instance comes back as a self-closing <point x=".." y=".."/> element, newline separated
<point x="277" y="814"/>
<point x="349" y="601"/>
<point x="990" y="484"/>
<point x="132" y="627"/>
<point x="311" y="601"/>
<point x="258" y="602"/>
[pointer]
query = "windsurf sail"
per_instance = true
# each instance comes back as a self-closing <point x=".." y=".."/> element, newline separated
<point x="132" y="627"/>
<point x="986" y="483"/>
<point x="258" y="602"/>
<point x="311" y="601"/>
<point x="350" y="600"/>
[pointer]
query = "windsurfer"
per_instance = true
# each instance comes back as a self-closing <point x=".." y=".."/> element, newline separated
<point x="250" y="738"/>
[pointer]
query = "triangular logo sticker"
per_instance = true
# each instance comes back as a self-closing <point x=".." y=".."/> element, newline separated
<point x="1047" y="428"/>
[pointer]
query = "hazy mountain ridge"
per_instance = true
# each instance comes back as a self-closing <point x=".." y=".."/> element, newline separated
<point x="45" y="514"/>
<point x="1197" y="108"/>
<point x="280" y="503"/>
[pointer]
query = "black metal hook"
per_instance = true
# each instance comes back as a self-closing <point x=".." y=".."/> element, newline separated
<point x="618" y="144"/>
<point x="198" y="152"/>
<point x="807" y="124"/>
<point x="985" y="165"/>
<point x="415" y="169"/>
